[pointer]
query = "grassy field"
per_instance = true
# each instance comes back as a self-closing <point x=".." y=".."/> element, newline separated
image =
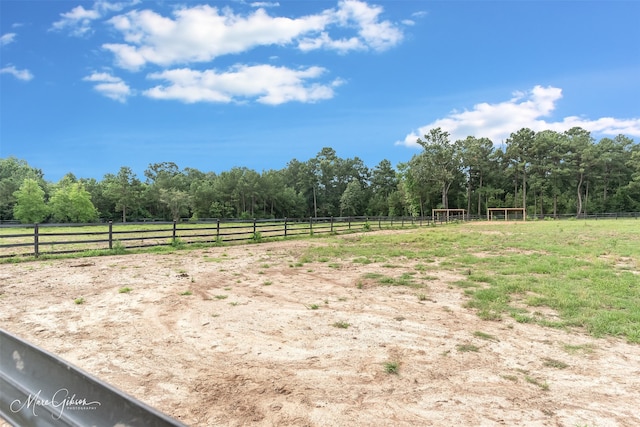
<point x="562" y="274"/>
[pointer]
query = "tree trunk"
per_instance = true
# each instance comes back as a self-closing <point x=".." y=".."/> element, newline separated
<point x="315" y="203"/>
<point x="445" y="195"/>
<point x="586" y="199"/>
<point x="479" y="196"/>
<point x="579" y="210"/>
<point x="469" y="197"/>
<point x="524" y="189"/>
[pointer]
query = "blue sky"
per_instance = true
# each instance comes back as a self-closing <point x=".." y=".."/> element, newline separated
<point x="88" y="87"/>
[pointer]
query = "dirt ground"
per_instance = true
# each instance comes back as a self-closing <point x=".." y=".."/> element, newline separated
<point x="247" y="345"/>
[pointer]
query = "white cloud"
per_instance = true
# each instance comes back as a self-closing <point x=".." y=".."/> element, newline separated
<point x="18" y="74"/>
<point x="110" y="86"/>
<point x="7" y="38"/>
<point x="525" y="109"/>
<point x="199" y="34"/>
<point x="265" y="83"/>
<point x="264" y="4"/>
<point x="78" y="20"/>
<point x="378" y="35"/>
<point x="202" y="33"/>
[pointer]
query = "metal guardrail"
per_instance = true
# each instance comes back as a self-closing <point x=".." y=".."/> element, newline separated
<point x="38" y="389"/>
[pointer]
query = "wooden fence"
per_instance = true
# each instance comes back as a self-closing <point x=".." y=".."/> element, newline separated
<point x="41" y="239"/>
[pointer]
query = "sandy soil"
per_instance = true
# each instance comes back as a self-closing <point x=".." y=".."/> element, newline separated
<point x="263" y="356"/>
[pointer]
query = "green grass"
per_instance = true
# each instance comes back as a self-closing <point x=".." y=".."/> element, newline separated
<point x="584" y="274"/>
<point x="554" y="363"/>
<point x="543" y="385"/>
<point x="485" y="336"/>
<point x="466" y="348"/>
<point x="579" y="348"/>
<point x="125" y="290"/>
<point x="341" y="325"/>
<point x="391" y="367"/>
<point x="404" y="279"/>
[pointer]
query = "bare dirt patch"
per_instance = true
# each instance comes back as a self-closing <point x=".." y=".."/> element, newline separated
<point x="244" y="335"/>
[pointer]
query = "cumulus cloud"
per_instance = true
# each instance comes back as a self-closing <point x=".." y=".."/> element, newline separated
<point x="201" y="33"/>
<point x="110" y="86"/>
<point x="524" y="109"/>
<point x="24" y="75"/>
<point x="79" y="20"/>
<point x="266" y="84"/>
<point x="7" y="38"/>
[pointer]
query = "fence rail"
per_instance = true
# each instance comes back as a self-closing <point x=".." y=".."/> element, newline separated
<point x="39" y="239"/>
<point x="49" y="239"/>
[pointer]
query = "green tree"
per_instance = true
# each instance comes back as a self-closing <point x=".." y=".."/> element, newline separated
<point x="439" y="164"/>
<point x="72" y="203"/>
<point x="476" y="155"/>
<point x="581" y="159"/>
<point x="176" y="200"/>
<point x="125" y="190"/>
<point x="167" y="176"/>
<point x="519" y="148"/>
<point x="30" y="206"/>
<point x="631" y="191"/>
<point x="352" y="200"/>
<point x="105" y="206"/>
<point x="384" y="182"/>
<point x="202" y="195"/>
<point x="13" y="172"/>
<point x="612" y="170"/>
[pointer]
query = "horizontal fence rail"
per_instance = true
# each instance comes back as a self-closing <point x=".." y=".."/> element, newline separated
<point x="51" y="239"/>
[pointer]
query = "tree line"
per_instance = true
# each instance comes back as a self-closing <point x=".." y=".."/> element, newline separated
<point x="549" y="173"/>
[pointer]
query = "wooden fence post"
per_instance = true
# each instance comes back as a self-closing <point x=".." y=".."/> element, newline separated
<point x="349" y="223"/>
<point x="110" y="234"/>
<point x="36" y="237"/>
<point x="311" y="226"/>
<point x="174" y="231"/>
<point x="217" y="229"/>
<point x="285" y="226"/>
<point x="254" y="228"/>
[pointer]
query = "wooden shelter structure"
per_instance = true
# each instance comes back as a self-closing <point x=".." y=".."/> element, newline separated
<point x="449" y="214"/>
<point x="492" y="211"/>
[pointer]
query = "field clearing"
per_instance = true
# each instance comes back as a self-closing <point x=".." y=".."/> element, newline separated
<point x="481" y="323"/>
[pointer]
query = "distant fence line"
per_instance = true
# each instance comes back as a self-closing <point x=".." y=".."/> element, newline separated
<point x="40" y="239"/>
<point x="72" y="238"/>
